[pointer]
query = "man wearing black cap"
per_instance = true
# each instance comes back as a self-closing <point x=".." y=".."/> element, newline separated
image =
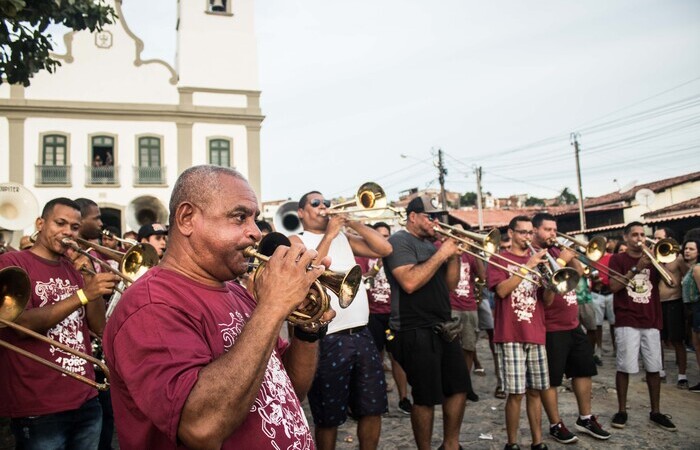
<point x="154" y="234"/>
<point x="421" y="278"/>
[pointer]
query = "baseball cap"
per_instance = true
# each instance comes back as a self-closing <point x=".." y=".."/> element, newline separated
<point x="149" y="230"/>
<point x="424" y="204"/>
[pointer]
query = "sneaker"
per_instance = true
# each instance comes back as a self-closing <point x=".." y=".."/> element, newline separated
<point x="405" y="406"/>
<point x="511" y="447"/>
<point x="619" y="420"/>
<point x="592" y="427"/>
<point x="682" y="384"/>
<point x="540" y="446"/>
<point x="597" y="360"/>
<point x="562" y="434"/>
<point x="663" y="421"/>
<point x="695" y="388"/>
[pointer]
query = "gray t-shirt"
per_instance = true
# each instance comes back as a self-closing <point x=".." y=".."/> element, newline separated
<point x="427" y="306"/>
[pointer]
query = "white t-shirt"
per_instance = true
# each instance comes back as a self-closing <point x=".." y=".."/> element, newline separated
<point x="357" y="314"/>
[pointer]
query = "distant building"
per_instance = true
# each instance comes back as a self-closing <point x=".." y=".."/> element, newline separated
<point x="114" y="128"/>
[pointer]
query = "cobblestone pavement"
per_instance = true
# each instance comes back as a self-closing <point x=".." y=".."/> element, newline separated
<point x="487" y="417"/>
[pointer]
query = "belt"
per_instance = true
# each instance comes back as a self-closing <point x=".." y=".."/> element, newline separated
<point x="602" y="291"/>
<point x="351" y="330"/>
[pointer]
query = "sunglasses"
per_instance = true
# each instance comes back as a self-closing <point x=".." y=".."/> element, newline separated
<point x="432" y="216"/>
<point x="315" y="203"/>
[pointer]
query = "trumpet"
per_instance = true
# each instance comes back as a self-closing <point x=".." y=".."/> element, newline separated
<point x="560" y="279"/>
<point x="370" y="203"/>
<point x="15" y="287"/>
<point x="343" y="284"/>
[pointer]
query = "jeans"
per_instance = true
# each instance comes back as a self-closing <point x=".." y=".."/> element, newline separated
<point x="76" y="429"/>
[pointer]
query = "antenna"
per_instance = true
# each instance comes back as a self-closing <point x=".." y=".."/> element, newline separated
<point x="645" y="197"/>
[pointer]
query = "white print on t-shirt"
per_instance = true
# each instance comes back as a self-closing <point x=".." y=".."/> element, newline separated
<point x="570" y="298"/>
<point x="70" y="330"/>
<point x="464" y="287"/>
<point x="381" y="291"/>
<point x="523" y="299"/>
<point x="639" y="290"/>
<point x="276" y="403"/>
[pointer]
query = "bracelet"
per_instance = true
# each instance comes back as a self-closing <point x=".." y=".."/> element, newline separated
<point x="82" y="297"/>
<point x="523" y="270"/>
<point x="561" y="262"/>
<point x="310" y="337"/>
<point x="375" y="268"/>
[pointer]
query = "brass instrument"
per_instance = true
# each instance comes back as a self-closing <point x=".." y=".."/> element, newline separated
<point x="343" y="284"/>
<point x="665" y="250"/>
<point x="560" y="279"/>
<point x="472" y="244"/>
<point x="130" y="242"/>
<point x="369" y="203"/>
<point x="594" y="249"/>
<point x="668" y="279"/>
<point x="286" y="219"/>
<point x="15" y="290"/>
<point x="18" y="210"/>
<point x="132" y="264"/>
<point x="489" y="242"/>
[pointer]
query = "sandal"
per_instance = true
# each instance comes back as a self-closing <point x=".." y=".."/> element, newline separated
<point x="499" y="393"/>
<point x="480" y="371"/>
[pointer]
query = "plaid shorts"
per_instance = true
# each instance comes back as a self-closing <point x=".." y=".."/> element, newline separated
<point x="522" y="366"/>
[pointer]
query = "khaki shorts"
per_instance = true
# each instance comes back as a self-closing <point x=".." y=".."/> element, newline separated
<point x="470" y="327"/>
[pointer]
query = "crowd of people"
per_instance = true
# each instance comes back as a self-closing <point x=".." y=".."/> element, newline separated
<point x="200" y="353"/>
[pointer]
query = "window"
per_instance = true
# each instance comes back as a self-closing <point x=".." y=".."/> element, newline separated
<point x="54" y="168"/>
<point x="101" y="170"/>
<point x="218" y="6"/>
<point x="220" y="152"/>
<point x="149" y="169"/>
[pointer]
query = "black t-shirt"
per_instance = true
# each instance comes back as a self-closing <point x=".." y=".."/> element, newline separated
<point x="427" y="306"/>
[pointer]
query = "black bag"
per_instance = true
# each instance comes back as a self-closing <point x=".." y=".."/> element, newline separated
<point x="449" y="330"/>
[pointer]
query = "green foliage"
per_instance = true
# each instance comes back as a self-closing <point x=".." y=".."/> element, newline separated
<point x="566" y="197"/>
<point x="25" y="45"/>
<point x="534" y="201"/>
<point x="468" y="199"/>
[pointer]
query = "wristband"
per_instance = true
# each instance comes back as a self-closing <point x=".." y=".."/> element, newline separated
<point x="83" y="298"/>
<point x="523" y="270"/>
<point x="310" y="337"/>
<point x="375" y="268"/>
<point x="634" y="270"/>
<point x="561" y="262"/>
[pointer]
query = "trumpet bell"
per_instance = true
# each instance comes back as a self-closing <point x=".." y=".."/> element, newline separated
<point x="15" y="289"/>
<point x="372" y="199"/>
<point x="138" y="259"/>
<point x="565" y="280"/>
<point x="343" y="284"/>
<point x="596" y="248"/>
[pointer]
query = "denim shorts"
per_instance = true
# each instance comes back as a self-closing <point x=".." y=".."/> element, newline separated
<point x="79" y="428"/>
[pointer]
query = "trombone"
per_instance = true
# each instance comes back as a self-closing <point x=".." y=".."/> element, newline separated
<point x="489" y="242"/>
<point x="592" y="253"/>
<point x="15" y="288"/>
<point x="665" y="250"/>
<point x="343" y="284"/>
<point x="369" y="204"/>
<point x="662" y="250"/>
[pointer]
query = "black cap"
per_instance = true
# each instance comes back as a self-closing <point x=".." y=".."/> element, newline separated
<point x="149" y="230"/>
<point x="424" y="204"/>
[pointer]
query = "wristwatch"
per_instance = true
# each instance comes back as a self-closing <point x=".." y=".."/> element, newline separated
<point x="310" y="337"/>
<point x="634" y="270"/>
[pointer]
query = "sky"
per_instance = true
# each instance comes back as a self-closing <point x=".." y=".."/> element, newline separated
<point x="350" y="87"/>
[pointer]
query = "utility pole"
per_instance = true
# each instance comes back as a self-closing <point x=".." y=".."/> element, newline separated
<point x="442" y="172"/>
<point x="477" y="171"/>
<point x="581" y="211"/>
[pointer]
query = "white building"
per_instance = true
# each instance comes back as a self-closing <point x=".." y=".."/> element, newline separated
<point x="114" y="128"/>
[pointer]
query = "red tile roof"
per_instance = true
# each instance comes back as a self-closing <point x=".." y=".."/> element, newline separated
<point x="493" y="218"/>
<point x="688" y="206"/>
<point x="656" y="186"/>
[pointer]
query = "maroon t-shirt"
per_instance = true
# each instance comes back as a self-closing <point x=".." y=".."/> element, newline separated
<point x="462" y="298"/>
<point x="378" y="291"/>
<point x="562" y="314"/>
<point x="637" y="307"/>
<point x="166" y="329"/>
<point x="27" y="387"/>
<point x="519" y="317"/>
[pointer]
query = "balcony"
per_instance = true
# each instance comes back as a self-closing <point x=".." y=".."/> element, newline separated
<point x="52" y="175"/>
<point x="149" y="175"/>
<point x="102" y="175"/>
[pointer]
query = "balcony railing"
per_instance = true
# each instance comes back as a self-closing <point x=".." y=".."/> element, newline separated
<point x="101" y="174"/>
<point x="52" y="174"/>
<point x="149" y="175"/>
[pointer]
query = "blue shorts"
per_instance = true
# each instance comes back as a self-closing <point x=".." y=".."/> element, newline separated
<point x="349" y="374"/>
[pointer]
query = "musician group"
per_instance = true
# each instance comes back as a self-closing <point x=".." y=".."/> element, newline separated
<point x="188" y="317"/>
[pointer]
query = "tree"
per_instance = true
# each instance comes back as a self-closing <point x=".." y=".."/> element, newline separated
<point x="534" y="201"/>
<point x="566" y="197"/>
<point x="25" y="44"/>
<point x="468" y="199"/>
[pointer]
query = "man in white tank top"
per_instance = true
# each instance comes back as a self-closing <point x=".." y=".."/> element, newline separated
<point x="350" y="373"/>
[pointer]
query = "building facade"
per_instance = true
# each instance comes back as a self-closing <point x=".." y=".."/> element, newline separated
<point x="117" y="129"/>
